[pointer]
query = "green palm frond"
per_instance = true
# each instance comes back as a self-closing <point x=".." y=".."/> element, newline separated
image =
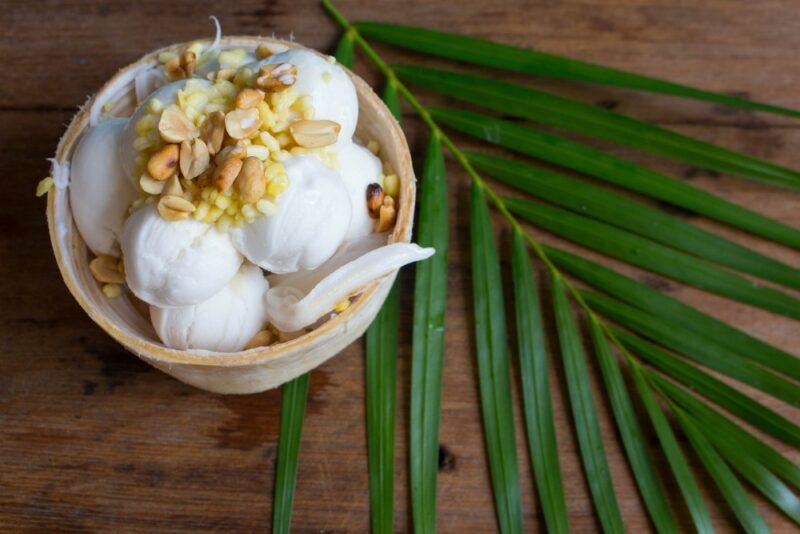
<point x="625" y="213"/>
<point x="590" y="439"/>
<point x="380" y="379"/>
<point x="623" y="173"/>
<point x="392" y="101"/>
<point x="697" y="347"/>
<point x="667" y="346"/>
<point x="293" y="410"/>
<point x="491" y="54"/>
<point x="714" y="389"/>
<point x="493" y="367"/>
<point x="535" y="377"/>
<point x="653" y="256"/>
<point x="735" y="445"/>
<point x="345" y="51"/>
<point x="632" y="435"/>
<point x="730" y="487"/>
<point x="673" y="311"/>
<point x="430" y="302"/>
<point x="672" y="450"/>
<point x="527" y="103"/>
<point x="757" y="475"/>
<point x="726" y="430"/>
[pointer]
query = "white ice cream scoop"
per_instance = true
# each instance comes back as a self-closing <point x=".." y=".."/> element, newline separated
<point x="99" y="191"/>
<point x="166" y="95"/>
<point x="223" y="323"/>
<point x="332" y="93"/>
<point x="176" y="263"/>
<point x="309" y="223"/>
<point x="358" y="168"/>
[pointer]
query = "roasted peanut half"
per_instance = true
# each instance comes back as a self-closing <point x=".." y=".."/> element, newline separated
<point x="151" y="186"/>
<point x="174" y="70"/>
<point x="242" y="123"/>
<point x="212" y="131"/>
<point x="387" y="215"/>
<point x="249" y="98"/>
<point x="263" y="51"/>
<point x="225" y="174"/>
<point x="230" y="151"/>
<point x="174" y="126"/>
<point x="276" y="77"/>
<point x="251" y="184"/>
<point x="172" y="186"/>
<point x="174" y="208"/>
<point x="104" y="269"/>
<point x="164" y="162"/>
<point x="226" y="74"/>
<point x="194" y="158"/>
<point x="189" y="62"/>
<point x="314" y="133"/>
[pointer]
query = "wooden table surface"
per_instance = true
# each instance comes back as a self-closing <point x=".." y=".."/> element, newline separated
<point x="92" y="439"/>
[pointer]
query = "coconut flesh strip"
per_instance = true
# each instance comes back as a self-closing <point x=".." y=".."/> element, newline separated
<point x="148" y="81"/>
<point x="293" y="307"/>
<point x="114" y="92"/>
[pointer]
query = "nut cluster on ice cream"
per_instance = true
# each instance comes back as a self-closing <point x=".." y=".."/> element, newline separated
<point x="235" y="201"/>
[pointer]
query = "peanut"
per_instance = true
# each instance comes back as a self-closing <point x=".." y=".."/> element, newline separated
<point x="189" y="63"/>
<point x="175" y="127"/>
<point x="212" y="132"/>
<point x="174" y="70"/>
<point x="149" y="185"/>
<point x="250" y="183"/>
<point x="314" y="133"/>
<point x="163" y="163"/>
<point x="194" y="158"/>
<point x="104" y="269"/>
<point x="174" y="208"/>
<point x="242" y="123"/>
<point x="276" y="77"/>
<point x="172" y="186"/>
<point x="387" y="215"/>
<point x="263" y="51"/>
<point x="249" y="98"/>
<point x="225" y="174"/>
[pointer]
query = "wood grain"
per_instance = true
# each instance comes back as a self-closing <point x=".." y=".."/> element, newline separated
<point x="91" y="439"/>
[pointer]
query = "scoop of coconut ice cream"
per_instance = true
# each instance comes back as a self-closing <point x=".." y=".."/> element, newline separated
<point x="223" y="323"/>
<point x="309" y="223"/>
<point x="166" y="96"/>
<point x="358" y="168"/>
<point x="332" y="92"/>
<point x="176" y="263"/>
<point x="99" y="192"/>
